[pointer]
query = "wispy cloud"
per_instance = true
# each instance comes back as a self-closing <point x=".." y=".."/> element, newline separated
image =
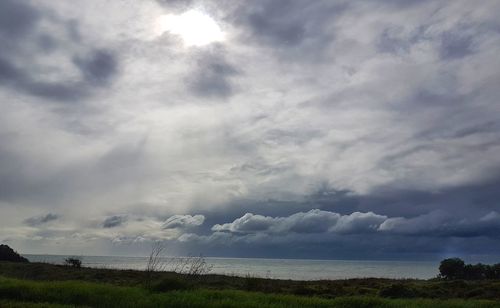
<point x="40" y="220"/>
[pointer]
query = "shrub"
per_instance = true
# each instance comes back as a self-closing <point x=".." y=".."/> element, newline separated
<point x="493" y="271"/>
<point x="170" y="284"/>
<point x="397" y="291"/>
<point x="253" y="283"/>
<point x="73" y="262"/>
<point x="303" y="290"/>
<point x="192" y="265"/>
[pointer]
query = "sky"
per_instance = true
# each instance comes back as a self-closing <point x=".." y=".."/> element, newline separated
<point x="287" y="129"/>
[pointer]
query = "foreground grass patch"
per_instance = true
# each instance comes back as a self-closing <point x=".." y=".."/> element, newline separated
<point x="17" y="304"/>
<point x="18" y="293"/>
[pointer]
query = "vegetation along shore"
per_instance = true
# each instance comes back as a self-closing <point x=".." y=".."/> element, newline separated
<point x="25" y="284"/>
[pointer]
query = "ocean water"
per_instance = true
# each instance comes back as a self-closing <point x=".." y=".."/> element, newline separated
<point x="276" y="268"/>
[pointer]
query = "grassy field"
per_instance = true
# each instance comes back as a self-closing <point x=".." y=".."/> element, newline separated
<point x="25" y="293"/>
<point x="45" y="285"/>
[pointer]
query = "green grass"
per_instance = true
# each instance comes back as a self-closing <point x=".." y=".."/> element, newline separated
<point x="26" y="293"/>
<point x="17" y="304"/>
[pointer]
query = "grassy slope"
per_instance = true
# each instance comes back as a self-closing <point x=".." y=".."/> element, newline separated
<point x="20" y="293"/>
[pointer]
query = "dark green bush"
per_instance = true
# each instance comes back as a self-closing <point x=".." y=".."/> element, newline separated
<point x="73" y="262"/>
<point x="170" y="284"/>
<point x="455" y="268"/>
<point x="475" y="272"/>
<point x="397" y="291"/>
<point x="253" y="284"/>
<point x="303" y="290"/>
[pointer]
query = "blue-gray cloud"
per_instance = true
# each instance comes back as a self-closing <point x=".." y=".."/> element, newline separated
<point x="40" y="220"/>
<point x="25" y="46"/>
<point x="212" y="77"/>
<point x="97" y="67"/>
<point x="17" y="19"/>
<point x="114" y="221"/>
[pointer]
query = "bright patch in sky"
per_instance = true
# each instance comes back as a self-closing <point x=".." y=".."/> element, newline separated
<point x="194" y="27"/>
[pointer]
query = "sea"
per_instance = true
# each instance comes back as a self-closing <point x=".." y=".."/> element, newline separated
<point x="274" y="268"/>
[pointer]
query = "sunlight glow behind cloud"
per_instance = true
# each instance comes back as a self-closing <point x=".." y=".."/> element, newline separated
<point x="194" y="27"/>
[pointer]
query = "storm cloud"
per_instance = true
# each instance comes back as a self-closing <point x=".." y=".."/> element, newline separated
<point x="114" y="221"/>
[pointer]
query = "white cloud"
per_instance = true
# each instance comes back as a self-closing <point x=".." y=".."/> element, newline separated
<point x="314" y="221"/>
<point x="183" y="221"/>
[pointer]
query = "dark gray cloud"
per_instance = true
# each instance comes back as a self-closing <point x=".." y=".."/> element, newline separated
<point x="442" y="224"/>
<point x="40" y="220"/>
<point x="456" y="44"/>
<point x="272" y="21"/>
<point x="97" y="67"/>
<point x="21" y="80"/>
<point x="17" y="18"/>
<point x="212" y="77"/>
<point x="451" y="43"/>
<point x="474" y="198"/>
<point x="287" y="23"/>
<point x="8" y="73"/>
<point x="114" y="221"/>
<point x="24" y="46"/>
<point x="294" y="30"/>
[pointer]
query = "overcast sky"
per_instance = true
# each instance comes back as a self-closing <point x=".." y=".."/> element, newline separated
<point x="284" y="128"/>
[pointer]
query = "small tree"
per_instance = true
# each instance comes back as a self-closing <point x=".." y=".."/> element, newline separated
<point x="73" y="262"/>
<point x="453" y="268"/>
<point x="495" y="271"/>
<point x="476" y="272"/>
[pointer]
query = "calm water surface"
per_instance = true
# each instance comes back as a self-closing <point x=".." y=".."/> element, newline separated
<point x="277" y="268"/>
